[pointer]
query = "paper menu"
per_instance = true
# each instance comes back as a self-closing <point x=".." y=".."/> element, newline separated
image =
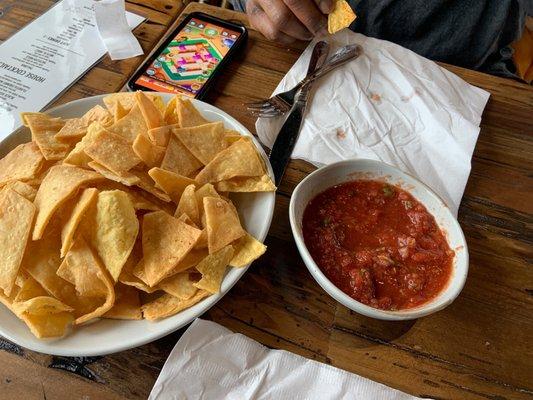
<point x="44" y="58"/>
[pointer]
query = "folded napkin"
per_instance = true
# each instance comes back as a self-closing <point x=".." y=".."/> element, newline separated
<point x="211" y="362"/>
<point x="390" y="105"/>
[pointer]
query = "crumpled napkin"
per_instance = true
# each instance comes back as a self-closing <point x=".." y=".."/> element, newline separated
<point x="392" y="105"/>
<point x="211" y="362"/>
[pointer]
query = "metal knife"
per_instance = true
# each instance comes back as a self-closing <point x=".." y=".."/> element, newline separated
<point x="288" y="134"/>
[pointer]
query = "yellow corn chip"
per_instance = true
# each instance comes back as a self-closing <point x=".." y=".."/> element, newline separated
<point x="179" y="285"/>
<point x="160" y="136"/>
<point x="190" y="260"/>
<point x="147" y="184"/>
<point x="41" y="305"/>
<point x="204" y="141"/>
<point x="247" y="184"/>
<point x="179" y="159"/>
<point x="247" y="249"/>
<point x="41" y="261"/>
<point x="114" y="229"/>
<point x="86" y="200"/>
<point x="152" y="115"/>
<point x="223" y="225"/>
<point x="75" y="128"/>
<point x="43" y="130"/>
<point x="125" y="178"/>
<point x="77" y="155"/>
<point x="341" y="17"/>
<point x="207" y="190"/>
<point x="16" y="218"/>
<point x="202" y="241"/>
<point x="240" y="159"/>
<point x="60" y="184"/>
<point x="171" y="183"/>
<point x="134" y="261"/>
<point x="113" y="152"/>
<point x="166" y="241"/>
<point x="213" y="268"/>
<point x="81" y="268"/>
<point x="188" y="205"/>
<point x="127" y="303"/>
<point x="148" y="152"/>
<point x="22" y="163"/>
<point x="119" y="111"/>
<point x="185" y="218"/>
<point x="127" y="100"/>
<point x="130" y="126"/>
<point x="22" y="188"/>
<point x="187" y="114"/>
<point x="168" y="305"/>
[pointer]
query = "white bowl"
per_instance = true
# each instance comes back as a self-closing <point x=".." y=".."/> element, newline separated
<point x="106" y="336"/>
<point x="350" y="170"/>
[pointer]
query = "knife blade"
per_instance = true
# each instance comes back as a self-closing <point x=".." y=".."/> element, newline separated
<point x="288" y="134"/>
<point x="277" y="157"/>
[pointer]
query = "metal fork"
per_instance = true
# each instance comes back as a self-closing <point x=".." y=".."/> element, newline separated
<point x="282" y="102"/>
<point x="267" y="108"/>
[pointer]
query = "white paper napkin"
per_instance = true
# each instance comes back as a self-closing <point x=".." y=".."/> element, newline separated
<point x="211" y="362"/>
<point x="115" y="31"/>
<point x="390" y="105"/>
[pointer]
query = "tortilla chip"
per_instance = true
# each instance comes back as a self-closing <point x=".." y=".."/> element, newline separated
<point x="127" y="100"/>
<point x="179" y="285"/>
<point x="202" y="241"/>
<point x="134" y="261"/>
<point x="81" y="268"/>
<point x="22" y="188"/>
<point x="76" y="128"/>
<point x="86" y="200"/>
<point x="188" y="205"/>
<point x="41" y="305"/>
<point x="43" y="130"/>
<point x="341" y="17"/>
<point x="160" y="136"/>
<point x="204" y="141"/>
<point x="187" y="115"/>
<point x="223" y="225"/>
<point x="77" y="155"/>
<point x="168" y="305"/>
<point x="230" y="139"/>
<point x="21" y="164"/>
<point x="125" y="178"/>
<point x="41" y="261"/>
<point x="213" y="268"/>
<point x="179" y="159"/>
<point x="240" y="159"/>
<point x="147" y="184"/>
<point x="247" y="184"/>
<point x="247" y="249"/>
<point x="166" y="241"/>
<point x="170" y="116"/>
<point x="113" y="152"/>
<point x="60" y="184"/>
<point x="16" y="218"/>
<point x="148" y="152"/>
<point x="114" y="230"/>
<point x="118" y="111"/>
<point x="127" y="303"/>
<point x="152" y="115"/>
<point x="207" y="190"/>
<point x="130" y="126"/>
<point x="171" y="183"/>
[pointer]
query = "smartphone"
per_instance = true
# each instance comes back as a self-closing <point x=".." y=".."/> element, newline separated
<point x="189" y="60"/>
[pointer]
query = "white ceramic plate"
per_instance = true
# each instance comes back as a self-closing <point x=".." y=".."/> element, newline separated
<point x="350" y="170"/>
<point x="106" y="335"/>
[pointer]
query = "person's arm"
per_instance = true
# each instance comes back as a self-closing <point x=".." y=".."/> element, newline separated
<point x="287" y="20"/>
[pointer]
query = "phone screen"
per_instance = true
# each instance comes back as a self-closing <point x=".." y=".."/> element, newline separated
<point x="189" y="59"/>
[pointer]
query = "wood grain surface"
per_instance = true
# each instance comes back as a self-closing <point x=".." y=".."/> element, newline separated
<point x="480" y="347"/>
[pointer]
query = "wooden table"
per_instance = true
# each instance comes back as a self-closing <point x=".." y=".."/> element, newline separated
<point x="480" y="347"/>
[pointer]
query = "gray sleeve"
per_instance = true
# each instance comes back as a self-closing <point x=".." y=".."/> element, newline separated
<point x="239" y="5"/>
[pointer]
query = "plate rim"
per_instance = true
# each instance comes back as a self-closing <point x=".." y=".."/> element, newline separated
<point x="46" y="346"/>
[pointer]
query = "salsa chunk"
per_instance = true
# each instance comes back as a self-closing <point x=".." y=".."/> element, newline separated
<point x="377" y="244"/>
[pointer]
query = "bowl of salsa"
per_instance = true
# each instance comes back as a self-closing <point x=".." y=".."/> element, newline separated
<point x="378" y="240"/>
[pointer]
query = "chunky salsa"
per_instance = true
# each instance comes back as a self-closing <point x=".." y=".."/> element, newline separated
<point x="378" y="244"/>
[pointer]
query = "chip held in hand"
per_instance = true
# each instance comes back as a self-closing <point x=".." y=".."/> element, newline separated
<point x="341" y="17"/>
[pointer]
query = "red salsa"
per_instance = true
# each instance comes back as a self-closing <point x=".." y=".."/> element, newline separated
<point x="378" y="244"/>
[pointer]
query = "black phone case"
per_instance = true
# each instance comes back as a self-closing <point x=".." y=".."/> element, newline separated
<point x="209" y="83"/>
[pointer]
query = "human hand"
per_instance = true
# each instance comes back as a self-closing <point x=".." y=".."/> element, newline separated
<point x="287" y="20"/>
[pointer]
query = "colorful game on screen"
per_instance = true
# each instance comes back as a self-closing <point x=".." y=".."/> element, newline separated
<point x="189" y="59"/>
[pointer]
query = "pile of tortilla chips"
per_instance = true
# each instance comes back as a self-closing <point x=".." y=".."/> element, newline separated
<point x="341" y="17"/>
<point x="122" y="213"/>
